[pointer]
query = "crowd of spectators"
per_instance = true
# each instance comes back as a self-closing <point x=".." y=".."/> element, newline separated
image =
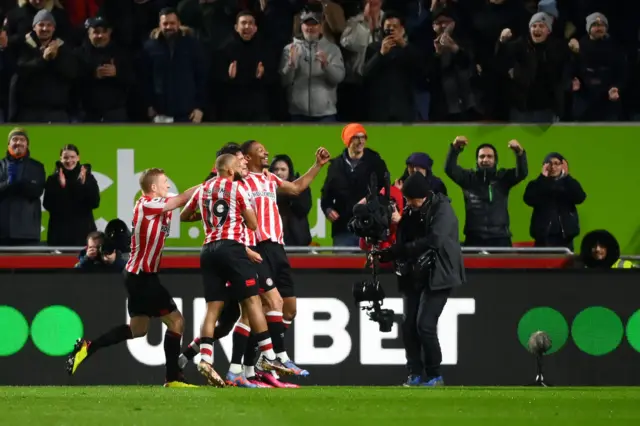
<point x="169" y="61"/>
<point x="71" y="194"/>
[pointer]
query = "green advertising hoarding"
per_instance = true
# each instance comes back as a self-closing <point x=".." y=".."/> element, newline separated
<point x="602" y="158"/>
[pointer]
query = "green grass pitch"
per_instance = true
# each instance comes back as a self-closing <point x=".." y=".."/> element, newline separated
<point x="318" y="406"/>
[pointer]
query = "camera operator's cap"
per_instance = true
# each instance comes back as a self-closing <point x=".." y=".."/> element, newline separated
<point x="416" y="186"/>
<point x="420" y="159"/>
<point x="308" y="15"/>
<point x="596" y="18"/>
<point x="43" y="15"/>
<point x="350" y="131"/>
<point x="97" y="22"/>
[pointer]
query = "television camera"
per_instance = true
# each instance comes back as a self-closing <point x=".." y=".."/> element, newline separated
<point x="372" y="221"/>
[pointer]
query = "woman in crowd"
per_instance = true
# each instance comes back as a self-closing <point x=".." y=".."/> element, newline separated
<point x="293" y="210"/>
<point x="70" y="196"/>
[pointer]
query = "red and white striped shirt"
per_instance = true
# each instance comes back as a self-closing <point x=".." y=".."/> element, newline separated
<point x="150" y="230"/>
<point x="221" y="203"/>
<point x="263" y="191"/>
<point x="251" y="235"/>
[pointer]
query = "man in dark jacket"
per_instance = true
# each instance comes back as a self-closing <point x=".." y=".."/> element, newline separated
<point x="243" y="70"/>
<point x="486" y="192"/>
<point x="554" y="196"/>
<point x="536" y="70"/>
<point x="429" y="264"/>
<point x="106" y="75"/>
<point x="46" y="69"/>
<point x="599" y="73"/>
<point x="391" y="73"/>
<point x="20" y="19"/>
<point x="347" y="182"/>
<point x="21" y="185"/>
<point x="174" y="72"/>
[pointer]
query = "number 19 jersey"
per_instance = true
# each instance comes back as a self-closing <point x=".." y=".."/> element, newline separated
<point x="221" y="203"/>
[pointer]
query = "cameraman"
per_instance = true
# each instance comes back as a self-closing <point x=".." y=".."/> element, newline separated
<point x="100" y="257"/>
<point x="429" y="264"/>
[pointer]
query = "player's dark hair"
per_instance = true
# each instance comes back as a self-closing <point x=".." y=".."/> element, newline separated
<point x="168" y="11"/>
<point x="229" y="148"/>
<point x="245" y="13"/>
<point x="70" y="147"/>
<point x="147" y="178"/>
<point x="246" y="147"/>
<point x="96" y="235"/>
<point x="393" y="15"/>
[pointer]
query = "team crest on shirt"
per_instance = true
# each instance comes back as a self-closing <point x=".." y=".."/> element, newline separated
<point x="269" y="282"/>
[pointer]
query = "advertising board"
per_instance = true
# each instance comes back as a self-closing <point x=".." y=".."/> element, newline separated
<point x="602" y="158"/>
<point x="592" y="317"/>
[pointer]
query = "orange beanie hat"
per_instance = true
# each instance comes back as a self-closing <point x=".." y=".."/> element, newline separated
<point x="350" y="130"/>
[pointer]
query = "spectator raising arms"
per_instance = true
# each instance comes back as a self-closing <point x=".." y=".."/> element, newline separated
<point x="293" y="209"/>
<point x="71" y="194"/>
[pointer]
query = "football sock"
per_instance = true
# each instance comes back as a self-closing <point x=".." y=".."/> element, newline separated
<point x="193" y="349"/>
<point x="251" y="351"/>
<point x="206" y="349"/>
<point x="249" y="371"/>
<point x="115" y="335"/>
<point x="286" y="324"/>
<point x="276" y="332"/>
<point x="240" y="338"/>
<point x="172" y="352"/>
<point x="265" y="345"/>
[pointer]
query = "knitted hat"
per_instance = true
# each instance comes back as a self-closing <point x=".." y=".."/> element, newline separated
<point x="18" y="131"/>
<point x="416" y="186"/>
<point x="350" y="130"/>
<point x="43" y="15"/>
<point x="550" y="156"/>
<point x="595" y="17"/>
<point x="541" y="17"/>
<point x="420" y="159"/>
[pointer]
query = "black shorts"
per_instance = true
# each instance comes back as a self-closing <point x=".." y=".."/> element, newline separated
<point x="274" y="271"/>
<point x="225" y="262"/>
<point x="147" y="297"/>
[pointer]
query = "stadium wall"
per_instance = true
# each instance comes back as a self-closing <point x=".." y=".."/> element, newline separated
<point x="600" y="157"/>
<point x="593" y="318"/>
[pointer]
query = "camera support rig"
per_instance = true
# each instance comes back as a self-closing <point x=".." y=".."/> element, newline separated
<point x="371" y="291"/>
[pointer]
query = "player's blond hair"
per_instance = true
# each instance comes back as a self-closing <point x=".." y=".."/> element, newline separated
<point x="148" y="178"/>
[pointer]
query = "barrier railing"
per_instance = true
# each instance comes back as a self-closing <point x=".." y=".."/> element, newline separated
<point x="303" y="249"/>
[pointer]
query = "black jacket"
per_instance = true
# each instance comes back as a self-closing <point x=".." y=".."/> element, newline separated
<point x="486" y="195"/>
<point x="435" y="227"/>
<point x="244" y="98"/>
<point x="345" y="185"/>
<point x="391" y="80"/>
<point x="554" y="207"/>
<point x="20" y="22"/>
<point x="541" y="73"/>
<point x="40" y="84"/>
<point x="99" y="95"/>
<point x="175" y="74"/>
<point x="20" y="210"/>
<point x="70" y="208"/>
